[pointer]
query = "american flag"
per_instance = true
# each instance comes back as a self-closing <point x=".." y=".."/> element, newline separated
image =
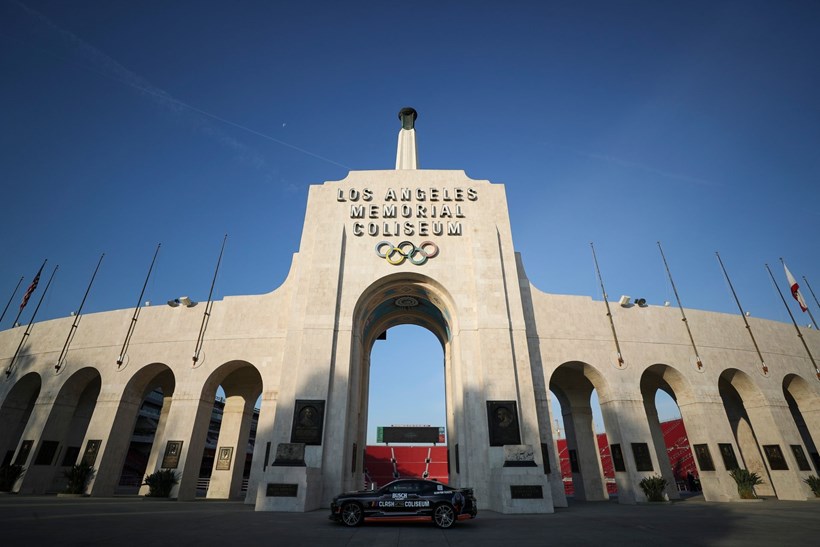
<point x="31" y="288"/>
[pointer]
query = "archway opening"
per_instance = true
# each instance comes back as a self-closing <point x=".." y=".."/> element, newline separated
<point x="735" y="387"/>
<point x="149" y="394"/>
<point x="798" y="393"/>
<point x="14" y="415"/>
<point x="406" y="417"/>
<point x="228" y="446"/>
<point x="581" y="442"/>
<point x="660" y="386"/>
<point x="402" y="383"/>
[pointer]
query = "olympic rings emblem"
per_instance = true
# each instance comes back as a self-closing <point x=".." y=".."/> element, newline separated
<point x="406" y="250"/>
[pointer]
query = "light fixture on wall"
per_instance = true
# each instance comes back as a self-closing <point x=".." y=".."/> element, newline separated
<point x="184" y="300"/>
<point x="641" y="302"/>
<point x="624" y="301"/>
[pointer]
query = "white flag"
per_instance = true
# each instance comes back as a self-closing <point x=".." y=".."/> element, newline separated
<point x="795" y="289"/>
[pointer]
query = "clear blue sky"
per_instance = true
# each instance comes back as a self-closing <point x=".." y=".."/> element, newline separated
<point x="126" y="123"/>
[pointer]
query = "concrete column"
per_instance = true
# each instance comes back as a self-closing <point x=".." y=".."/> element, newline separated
<point x="626" y="424"/>
<point x="112" y="423"/>
<point x="263" y="450"/>
<point x="752" y="456"/>
<point x="158" y="447"/>
<point x="589" y="481"/>
<point x="188" y="422"/>
<point x="811" y="419"/>
<point x="233" y="433"/>
<point x="559" y="497"/>
<point x="706" y="423"/>
<point x="774" y="426"/>
<point x="13" y="419"/>
<point x="50" y="422"/>
<point x="659" y="445"/>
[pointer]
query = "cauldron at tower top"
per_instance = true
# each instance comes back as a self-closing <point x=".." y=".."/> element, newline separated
<point x="408" y="116"/>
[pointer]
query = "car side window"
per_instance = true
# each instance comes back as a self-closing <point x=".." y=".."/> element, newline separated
<point x="406" y="487"/>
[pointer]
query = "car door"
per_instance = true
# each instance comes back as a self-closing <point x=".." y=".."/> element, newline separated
<point x="396" y="495"/>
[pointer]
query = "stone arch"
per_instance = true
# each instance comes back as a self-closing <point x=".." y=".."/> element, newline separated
<point x="242" y="384"/>
<point x="743" y="402"/>
<point x="398" y="299"/>
<point x="668" y="379"/>
<point x="59" y="432"/>
<point x="129" y="446"/>
<point x="15" y="413"/>
<point x="804" y="406"/>
<point x="572" y="383"/>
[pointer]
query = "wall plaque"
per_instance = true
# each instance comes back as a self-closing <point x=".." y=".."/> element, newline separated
<point x="502" y="422"/>
<point x="173" y="450"/>
<point x="290" y="455"/>
<point x="704" y="457"/>
<point x="278" y="490"/>
<point x="519" y="455"/>
<point x="617" y="457"/>
<point x="643" y="461"/>
<point x="92" y="447"/>
<point x="526" y="492"/>
<point x="22" y="454"/>
<point x="48" y="449"/>
<point x="727" y="452"/>
<point x="223" y="458"/>
<point x="775" y="456"/>
<point x="308" y="418"/>
<point x="800" y="457"/>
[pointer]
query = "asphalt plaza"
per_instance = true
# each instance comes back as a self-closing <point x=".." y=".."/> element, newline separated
<point x="134" y="521"/>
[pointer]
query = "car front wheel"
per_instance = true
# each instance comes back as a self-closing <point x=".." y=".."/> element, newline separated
<point x="444" y="515"/>
<point x="352" y="514"/>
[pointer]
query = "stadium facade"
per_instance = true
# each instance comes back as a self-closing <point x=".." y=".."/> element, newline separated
<point x="432" y="248"/>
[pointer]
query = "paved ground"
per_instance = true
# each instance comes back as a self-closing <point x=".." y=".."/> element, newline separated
<point x="132" y="521"/>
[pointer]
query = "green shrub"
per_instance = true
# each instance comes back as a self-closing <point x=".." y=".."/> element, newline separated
<point x="161" y="482"/>
<point x="814" y="483"/>
<point x="653" y="487"/>
<point x="78" y="476"/>
<point x="746" y="482"/>
<point x="9" y="475"/>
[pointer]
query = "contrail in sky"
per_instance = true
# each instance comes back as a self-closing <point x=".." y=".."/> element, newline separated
<point x="112" y="69"/>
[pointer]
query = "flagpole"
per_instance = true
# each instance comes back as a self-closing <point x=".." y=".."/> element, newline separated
<point x="23" y="304"/>
<point x="683" y="314"/>
<point x="813" y="296"/>
<point x="76" y="323"/>
<point x="137" y="309"/>
<point x="799" y="334"/>
<point x="608" y="311"/>
<point x="31" y="322"/>
<point x="813" y="322"/>
<point x="743" y="315"/>
<point x="207" y="315"/>
<point x="11" y="298"/>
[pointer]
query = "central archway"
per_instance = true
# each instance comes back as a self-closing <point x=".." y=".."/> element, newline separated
<point x="401" y="299"/>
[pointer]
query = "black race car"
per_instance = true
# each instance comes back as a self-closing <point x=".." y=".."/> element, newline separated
<point x="406" y="500"/>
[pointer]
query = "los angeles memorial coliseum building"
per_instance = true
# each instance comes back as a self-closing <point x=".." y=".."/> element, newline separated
<point x="430" y="248"/>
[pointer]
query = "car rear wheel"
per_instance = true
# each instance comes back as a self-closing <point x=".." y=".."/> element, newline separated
<point x="352" y="514"/>
<point x="444" y="515"/>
